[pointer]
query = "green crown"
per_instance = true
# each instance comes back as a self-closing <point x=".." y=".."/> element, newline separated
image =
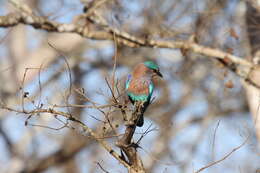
<point x="151" y="65"/>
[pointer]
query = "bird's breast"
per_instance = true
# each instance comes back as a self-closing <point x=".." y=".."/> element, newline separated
<point x="139" y="87"/>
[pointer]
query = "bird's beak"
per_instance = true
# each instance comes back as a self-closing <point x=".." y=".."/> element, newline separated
<point x="159" y="74"/>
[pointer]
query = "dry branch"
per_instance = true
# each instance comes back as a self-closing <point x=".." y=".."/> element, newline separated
<point x="109" y="33"/>
<point x="53" y="112"/>
<point x="125" y="38"/>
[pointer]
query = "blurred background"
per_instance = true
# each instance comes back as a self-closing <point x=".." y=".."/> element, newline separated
<point x="200" y="112"/>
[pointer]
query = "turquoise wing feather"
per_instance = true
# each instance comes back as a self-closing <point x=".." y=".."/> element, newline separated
<point x="151" y="88"/>
<point x="134" y="97"/>
<point x="128" y="81"/>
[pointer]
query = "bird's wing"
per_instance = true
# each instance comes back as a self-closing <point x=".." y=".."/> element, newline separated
<point x="151" y="88"/>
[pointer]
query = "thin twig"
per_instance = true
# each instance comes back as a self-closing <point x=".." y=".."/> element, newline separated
<point x="99" y="165"/>
<point x="225" y="157"/>
<point x="40" y="86"/>
<point x="214" y="140"/>
<point x="148" y="130"/>
<point x="103" y="143"/>
<point x="69" y="70"/>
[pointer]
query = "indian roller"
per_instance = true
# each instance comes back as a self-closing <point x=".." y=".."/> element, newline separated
<point x="139" y="87"/>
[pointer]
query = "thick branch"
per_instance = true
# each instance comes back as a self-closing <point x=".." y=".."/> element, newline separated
<point x="38" y="22"/>
<point x="242" y="66"/>
<point x="130" y="148"/>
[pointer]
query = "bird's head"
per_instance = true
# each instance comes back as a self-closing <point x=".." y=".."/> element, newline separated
<point x="154" y="68"/>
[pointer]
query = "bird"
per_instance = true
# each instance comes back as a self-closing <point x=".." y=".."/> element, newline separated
<point x="140" y="86"/>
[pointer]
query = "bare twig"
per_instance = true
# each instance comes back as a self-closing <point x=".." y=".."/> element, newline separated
<point x="91" y="7"/>
<point x="103" y="143"/>
<point x="225" y="157"/>
<point x="99" y="165"/>
<point x="69" y="70"/>
<point x="214" y="140"/>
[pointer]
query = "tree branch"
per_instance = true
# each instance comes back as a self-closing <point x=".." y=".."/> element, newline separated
<point x="102" y="142"/>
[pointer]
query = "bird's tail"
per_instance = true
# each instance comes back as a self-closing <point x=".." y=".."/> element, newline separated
<point x="138" y="114"/>
<point x="140" y="121"/>
<point x="140" y="109"/>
